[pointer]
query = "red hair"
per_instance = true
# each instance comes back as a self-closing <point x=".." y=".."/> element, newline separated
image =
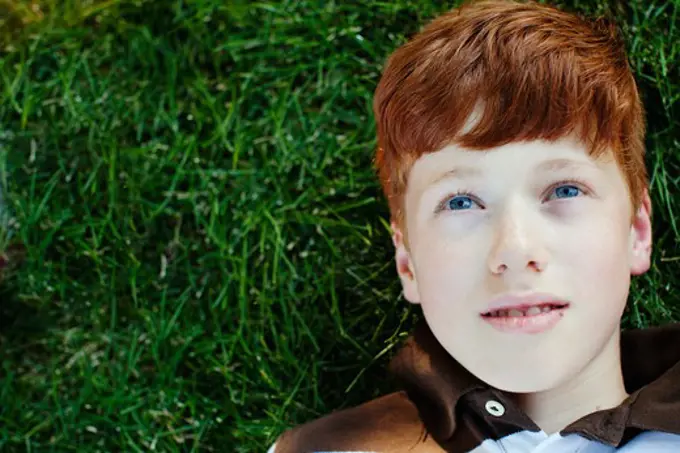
<point x="539" y="72"/>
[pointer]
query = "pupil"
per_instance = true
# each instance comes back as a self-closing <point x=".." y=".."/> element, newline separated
<point x="460" y="203"/>
<point x="567" y="191"/>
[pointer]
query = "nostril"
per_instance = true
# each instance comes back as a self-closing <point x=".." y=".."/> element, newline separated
<point x="535" y="265"/>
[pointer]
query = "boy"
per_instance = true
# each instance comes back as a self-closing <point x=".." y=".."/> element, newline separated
<point x="510" y="148"/>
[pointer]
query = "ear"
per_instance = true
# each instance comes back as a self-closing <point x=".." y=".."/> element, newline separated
<point x="641" y="237"/>
<point x="405" y="267"/>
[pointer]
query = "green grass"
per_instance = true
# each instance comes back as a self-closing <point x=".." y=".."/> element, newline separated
<point x="198" y="249"/>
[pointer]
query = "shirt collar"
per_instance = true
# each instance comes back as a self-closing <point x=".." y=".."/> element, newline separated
<point x="650" y="360"/>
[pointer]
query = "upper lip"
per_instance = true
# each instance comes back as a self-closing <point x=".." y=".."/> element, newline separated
<point x="522" y="301"/>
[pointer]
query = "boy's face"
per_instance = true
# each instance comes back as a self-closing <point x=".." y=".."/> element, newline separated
<point x="532" y="217"/>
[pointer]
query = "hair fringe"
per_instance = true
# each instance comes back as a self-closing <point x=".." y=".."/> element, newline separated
<point x="530" y="71"/>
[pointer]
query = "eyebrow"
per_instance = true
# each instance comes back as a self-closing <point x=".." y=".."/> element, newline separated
<point x="554" y="165"/>
<point x="458" y="172"/>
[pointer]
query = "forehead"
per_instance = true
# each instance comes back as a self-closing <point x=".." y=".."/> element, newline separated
<point x="518" y="159"/>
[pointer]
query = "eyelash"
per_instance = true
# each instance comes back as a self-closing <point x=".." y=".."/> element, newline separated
<point x="581" y="185"/>
<point x="460" y="192"/>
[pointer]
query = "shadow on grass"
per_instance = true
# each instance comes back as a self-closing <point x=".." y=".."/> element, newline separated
<point x="22" y="327"/>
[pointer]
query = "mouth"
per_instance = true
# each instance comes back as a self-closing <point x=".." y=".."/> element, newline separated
<point x="532" y="313"/>
<point x="521" y="311"/>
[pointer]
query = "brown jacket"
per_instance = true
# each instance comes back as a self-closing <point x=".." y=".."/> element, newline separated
<point x="444" y="408"/>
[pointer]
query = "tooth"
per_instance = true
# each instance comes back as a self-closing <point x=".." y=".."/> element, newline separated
<point x="514" y="312"/>
<point x="533" y="310"/>
<point x="502" y="313"/>
<point x="546" y="308"/>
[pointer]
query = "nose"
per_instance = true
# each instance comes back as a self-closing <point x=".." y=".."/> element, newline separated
<point x="517" y="244"/>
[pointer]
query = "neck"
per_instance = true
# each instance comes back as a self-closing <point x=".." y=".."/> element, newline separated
<point x="597" y="387"/>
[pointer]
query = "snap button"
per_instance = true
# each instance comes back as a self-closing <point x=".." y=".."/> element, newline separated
<point x="495" y="408"/>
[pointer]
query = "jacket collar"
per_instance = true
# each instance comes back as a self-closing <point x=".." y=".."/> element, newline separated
<point x="650" y="360"/>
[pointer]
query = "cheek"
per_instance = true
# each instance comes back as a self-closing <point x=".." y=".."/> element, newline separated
<point x="448" y="269"/>
<point x="596" y="248"/>
<point x="596" y="257"/>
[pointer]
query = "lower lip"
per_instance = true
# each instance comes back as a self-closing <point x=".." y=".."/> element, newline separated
<point x="526" y="324"/>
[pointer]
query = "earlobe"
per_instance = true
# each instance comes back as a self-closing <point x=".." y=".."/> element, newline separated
<point x="641" y="237"/>
<point x="405" y="268"/>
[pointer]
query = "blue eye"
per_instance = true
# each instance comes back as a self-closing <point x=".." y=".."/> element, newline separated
<point x="460" y="202"/>
<point x="566" y="191"/>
